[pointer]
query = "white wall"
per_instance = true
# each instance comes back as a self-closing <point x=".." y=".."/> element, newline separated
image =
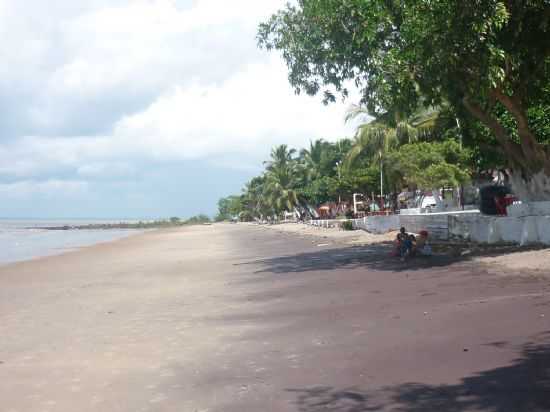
<point x="437" y="224"/>
<point x="377" y="224"/>
<point x="473" y="226"/>
<point x="500" y="229"/>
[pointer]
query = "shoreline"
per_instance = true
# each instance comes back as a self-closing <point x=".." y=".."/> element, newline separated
<point x="111" y="226"/>
<point x="65" y="251"/>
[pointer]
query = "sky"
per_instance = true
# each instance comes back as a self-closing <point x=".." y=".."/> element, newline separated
<point x="142" y="108"/>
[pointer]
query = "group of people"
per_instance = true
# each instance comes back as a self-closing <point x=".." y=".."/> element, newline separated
<point x="408" y="245"/>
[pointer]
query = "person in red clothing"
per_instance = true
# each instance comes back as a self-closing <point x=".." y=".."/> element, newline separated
<point x="500" y="204"/>
<point x="422" y="246"/>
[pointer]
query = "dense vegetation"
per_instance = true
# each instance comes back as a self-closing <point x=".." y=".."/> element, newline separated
<point x="488" y="60"/>
<point x="447" y="91"/>
<point x="331" y="171"/>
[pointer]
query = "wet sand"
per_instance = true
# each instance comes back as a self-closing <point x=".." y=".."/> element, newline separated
<point x="237" y="318"/>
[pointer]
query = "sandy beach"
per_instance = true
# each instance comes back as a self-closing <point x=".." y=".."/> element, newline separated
<point x="337" y="235"/>
<point x="240" y="318"/>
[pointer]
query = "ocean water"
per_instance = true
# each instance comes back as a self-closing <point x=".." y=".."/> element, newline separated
<point x="23" y="239"/>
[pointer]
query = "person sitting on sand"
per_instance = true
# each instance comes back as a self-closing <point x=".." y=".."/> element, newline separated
<point x="408" y="246"/>
<point x="422" y="246"/>
<point x="398" y="243"/>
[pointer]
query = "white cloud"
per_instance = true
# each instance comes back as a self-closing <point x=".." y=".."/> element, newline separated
<point x="245" y="116"/>
<point x="50" y="188"/>
<point x="76" y="67"/>
<point x="110" y="171"/>
<point x="251" y="111"/>
<point x="111" y="89"/>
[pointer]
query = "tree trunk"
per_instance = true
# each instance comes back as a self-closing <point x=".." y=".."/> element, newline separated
<point x="511" y="149"/>
<point x="532" y="150"/>
<point x="535" y="188"/>
<point x="530" y="176"/>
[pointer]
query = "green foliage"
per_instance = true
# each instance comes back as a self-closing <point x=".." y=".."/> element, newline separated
<point x="417" y="53"/>
<point x="442" y="175"/>
<point x="539" y="120"/>
<point x="431" y="74"/>
<point x="254" y="202"/>
<point x="322" y="158"/>
<point x="319" y="190"/>
<point x="199" y="219"/>
<point x="315" y="176"/>
<point x="229" y="207"/>
<point x="373" y="140"/>
<point x="430" y="165"/>
<point x="361" y="179"/>
<point x="280" y="180"/>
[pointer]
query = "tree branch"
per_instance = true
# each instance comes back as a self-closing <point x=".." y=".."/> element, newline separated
<point x="529" y="145"/>
<point x="513" y="150"/>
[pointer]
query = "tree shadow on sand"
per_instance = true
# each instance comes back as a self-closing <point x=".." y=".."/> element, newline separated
<point x="376" y="257"/>
<point x="523" y="386"/>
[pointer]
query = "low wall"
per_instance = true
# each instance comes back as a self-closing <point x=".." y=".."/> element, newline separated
<point x="506" y="229"/>
<point x="377" y="224"/>
<point x="327" y="223"/>
<point x="373" y="224"/>
<point x="478" y="228"/>
<point x="437" y="225"/>
<point x="468" y="226"/>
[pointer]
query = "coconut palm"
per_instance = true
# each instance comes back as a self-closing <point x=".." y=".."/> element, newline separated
<point x="254" y="199"/>
<point x="312" y="159"/>
<point x="281" y="157"/>
<point x="280" y="180"/>
<point x="375" y="141"/>
<point x="315" y="160"/>
<point x="377" y="137"/>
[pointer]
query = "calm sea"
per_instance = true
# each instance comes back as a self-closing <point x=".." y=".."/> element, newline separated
<point x="23" y="239"/>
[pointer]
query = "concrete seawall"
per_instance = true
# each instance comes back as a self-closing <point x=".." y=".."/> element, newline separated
<point x="467" y="226"/>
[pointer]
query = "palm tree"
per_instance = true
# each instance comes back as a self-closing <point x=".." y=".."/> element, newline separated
<point x="281" y="157"/>
<point x="254" y="199"/>
<point x="376" y="141"/>
<point x="280" y="179"/>
<point x="312" y="158"/>
<point x="377" y="137"/>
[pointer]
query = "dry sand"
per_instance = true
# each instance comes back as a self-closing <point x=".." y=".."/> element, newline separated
<point x="237" y="318"/>
<point x="534" y="260"/>
<point x="351" y="237"/>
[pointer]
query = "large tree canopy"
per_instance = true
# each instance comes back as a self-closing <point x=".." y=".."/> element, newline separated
<point x="430" y="165"/>
<point x="229" y="207"/>
<point x="488" y="57"/>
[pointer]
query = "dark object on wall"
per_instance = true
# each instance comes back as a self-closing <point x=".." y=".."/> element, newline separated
<point x="487" y="195"/>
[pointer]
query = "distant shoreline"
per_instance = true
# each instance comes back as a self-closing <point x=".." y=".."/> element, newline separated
<point x="122" y="225"/>
<point x="107" y="226"/>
